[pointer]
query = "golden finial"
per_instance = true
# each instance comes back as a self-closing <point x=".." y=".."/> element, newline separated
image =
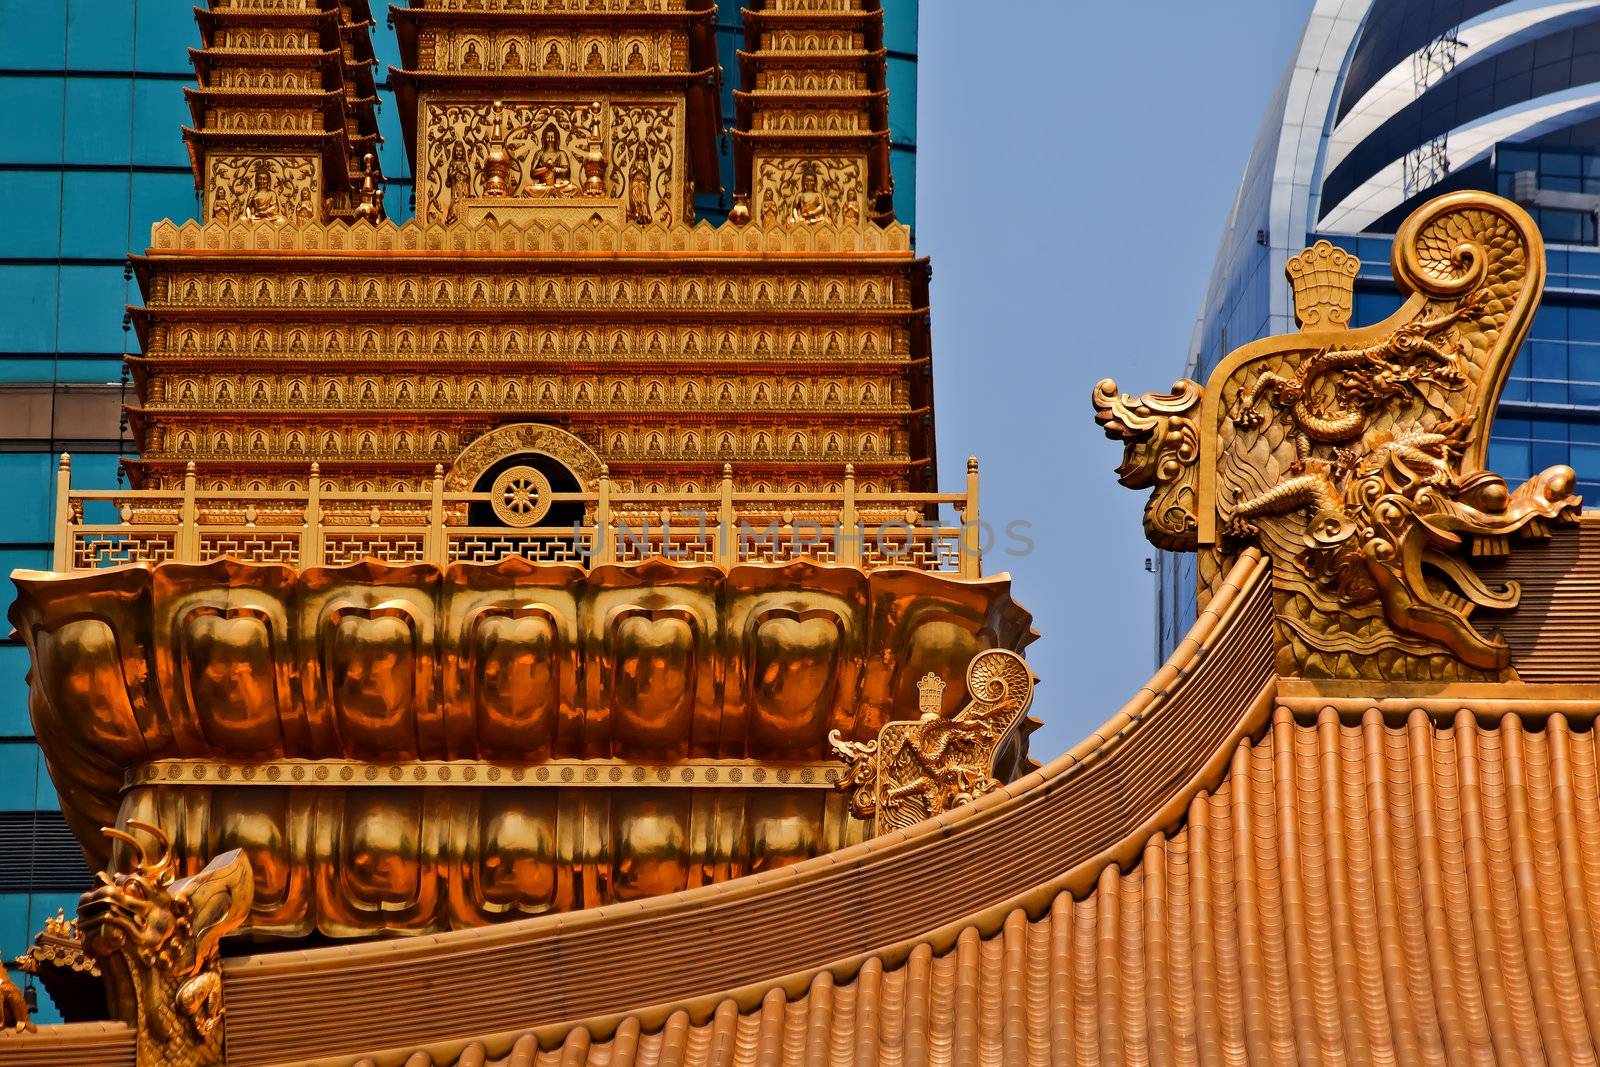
<point x="930" y="694"/>
<point x="497" y="167"/>
<point x="1324" y="281"/>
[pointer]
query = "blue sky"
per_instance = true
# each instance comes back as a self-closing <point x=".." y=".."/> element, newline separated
<point x="1076" y="163"/>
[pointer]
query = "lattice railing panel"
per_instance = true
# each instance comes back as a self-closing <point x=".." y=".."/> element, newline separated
<point x="251" y="545"/>
<point x="95" y="551"/>
<point x="396" y="548"/>
<point x="312" y="527"/>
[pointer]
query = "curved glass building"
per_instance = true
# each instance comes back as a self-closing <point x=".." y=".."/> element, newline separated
<point x="1386" y="104"/>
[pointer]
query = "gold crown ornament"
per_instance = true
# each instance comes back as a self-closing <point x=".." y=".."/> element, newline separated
<point x="1324" y="282"/>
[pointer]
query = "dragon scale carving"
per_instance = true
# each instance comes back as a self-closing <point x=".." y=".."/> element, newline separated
<point x="156" y="937"/>
<point x="1355" y="457"/>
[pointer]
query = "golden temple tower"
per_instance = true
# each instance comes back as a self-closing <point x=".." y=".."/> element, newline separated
<point x="550" y="550"/>
<point x="553" y="299"/>
<point x="532" y="640"/>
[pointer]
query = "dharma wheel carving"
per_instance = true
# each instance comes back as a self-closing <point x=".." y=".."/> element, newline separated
<point x="520" y="496"/>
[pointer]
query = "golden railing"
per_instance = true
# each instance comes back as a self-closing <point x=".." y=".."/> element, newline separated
<point x="321" y="526"/>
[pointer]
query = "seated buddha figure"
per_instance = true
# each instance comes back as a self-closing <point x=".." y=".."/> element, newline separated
<point x="263" y="204"/>
<point x="552" y="166"/>
<point x="810" y="206"/>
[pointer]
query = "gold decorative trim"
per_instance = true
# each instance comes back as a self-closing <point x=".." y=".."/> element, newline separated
<point x="916" y="769"/>
<point x="591" y="774"/>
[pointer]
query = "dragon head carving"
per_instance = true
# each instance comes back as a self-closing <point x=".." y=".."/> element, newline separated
<point x="1354" y="458"/>
<point x="156" y="937"/>
<point x="1160" y="444"/>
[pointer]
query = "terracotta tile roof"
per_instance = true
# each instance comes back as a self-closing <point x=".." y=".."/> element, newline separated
<point x="1363" y="891"/>
<point x="1351" y="880"/>
<point x="69" y="1045"/>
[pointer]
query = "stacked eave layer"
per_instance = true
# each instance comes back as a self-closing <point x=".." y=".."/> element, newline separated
<point x="277" y="83"/>
<point x="813" y="89"/>
<point x="785" y="353"/>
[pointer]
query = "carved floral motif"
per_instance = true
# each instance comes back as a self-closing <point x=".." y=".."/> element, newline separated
<point x="563" y="150"/>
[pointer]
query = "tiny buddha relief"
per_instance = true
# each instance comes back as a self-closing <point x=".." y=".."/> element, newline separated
<point x="263" y="204"/>
<point x="810" y="206"/>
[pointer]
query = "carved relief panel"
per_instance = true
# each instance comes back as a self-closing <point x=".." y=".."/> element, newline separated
<point x="799" y="191"/>
<point x="517" y="51"/>
<point x="249" y="188"/>
<point x="623" y="155"/>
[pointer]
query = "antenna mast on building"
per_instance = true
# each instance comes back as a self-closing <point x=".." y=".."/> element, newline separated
<point x="1428" y="163"/>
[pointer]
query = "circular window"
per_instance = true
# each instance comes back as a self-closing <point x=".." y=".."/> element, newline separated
<point x="520" y="496"/>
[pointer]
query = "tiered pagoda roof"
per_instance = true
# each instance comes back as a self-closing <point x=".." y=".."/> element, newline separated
<point x="288" y="93"/>
<point x="813" y="102"/>
<point x="666" y="353"/>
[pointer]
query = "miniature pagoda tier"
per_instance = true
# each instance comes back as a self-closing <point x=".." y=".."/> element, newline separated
<point x="285" y="124"/>
<point x="555" y="111"/>
<point x="812" y="140"/>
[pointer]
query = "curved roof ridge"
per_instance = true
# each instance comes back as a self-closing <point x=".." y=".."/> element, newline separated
<point x="1052" y="830"/>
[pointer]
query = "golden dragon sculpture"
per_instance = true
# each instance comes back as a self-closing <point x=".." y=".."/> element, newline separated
<point x="156" y="937"/>
<point x="1354" y="458"/>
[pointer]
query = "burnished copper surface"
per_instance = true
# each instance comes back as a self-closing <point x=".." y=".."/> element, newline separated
<point x="489" y="740"/>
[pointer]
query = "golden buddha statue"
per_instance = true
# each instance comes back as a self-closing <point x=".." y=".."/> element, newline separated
<point x="263" y="204"/>
<point x="810" y="205"/>
<point x="552" y="166"/>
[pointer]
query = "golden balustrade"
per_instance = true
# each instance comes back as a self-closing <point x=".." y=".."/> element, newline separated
<point x="322" y="526"/>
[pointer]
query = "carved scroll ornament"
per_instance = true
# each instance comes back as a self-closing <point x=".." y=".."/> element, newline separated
<point x="1355" y="457"/>
<point x="916" y="769"/>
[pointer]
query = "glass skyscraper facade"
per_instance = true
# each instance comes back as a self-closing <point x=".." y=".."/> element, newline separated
<point x="1385" y="105"/>
<point x="91" y="106"/>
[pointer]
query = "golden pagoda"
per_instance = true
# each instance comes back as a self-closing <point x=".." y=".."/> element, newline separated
<point x="532" y="636"/>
